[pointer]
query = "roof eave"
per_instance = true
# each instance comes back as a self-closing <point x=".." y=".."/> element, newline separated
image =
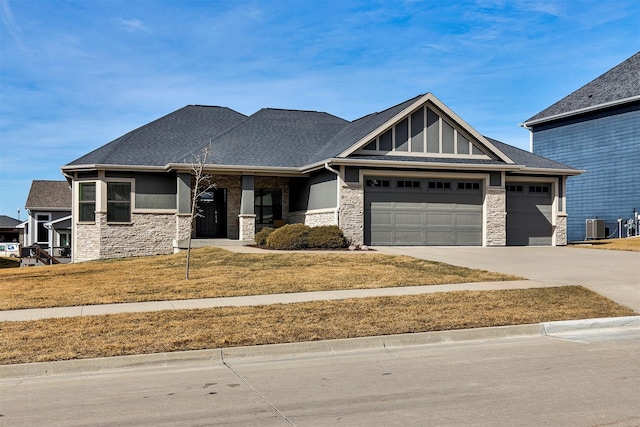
<point x="414" y="165"/>
<point x="590" y="109"/>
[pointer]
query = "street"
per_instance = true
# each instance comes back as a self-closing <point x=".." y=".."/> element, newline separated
<point x="581" y="379"/>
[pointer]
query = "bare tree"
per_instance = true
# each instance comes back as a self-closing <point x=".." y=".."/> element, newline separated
<point x="201" y="182"/>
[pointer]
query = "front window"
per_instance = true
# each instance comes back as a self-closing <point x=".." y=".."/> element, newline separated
<point x="268" y="206"/>
<point x="43" y="232"/>
<point x="87" y="202"/>
<point x="118" y="202"/>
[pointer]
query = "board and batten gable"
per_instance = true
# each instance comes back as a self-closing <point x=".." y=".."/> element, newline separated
<point x="606" y="145"/>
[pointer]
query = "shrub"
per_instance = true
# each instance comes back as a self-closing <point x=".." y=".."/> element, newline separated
<point x="289" y="237"/>
<point x="327" y="237"/>
<point x="261" y="236"/>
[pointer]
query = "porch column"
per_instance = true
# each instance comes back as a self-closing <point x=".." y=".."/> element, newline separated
<point x="247" y="216"/>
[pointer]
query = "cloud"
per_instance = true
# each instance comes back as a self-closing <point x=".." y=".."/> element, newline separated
<point x="133" y="25"/>
<point x="10" y="24"/>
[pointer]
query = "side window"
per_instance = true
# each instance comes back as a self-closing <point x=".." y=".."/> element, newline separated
<point x="118" y="202"/>
<point x="87" y="202"/>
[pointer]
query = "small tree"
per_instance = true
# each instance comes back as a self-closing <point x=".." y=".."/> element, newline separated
<point x="201" y="184"/>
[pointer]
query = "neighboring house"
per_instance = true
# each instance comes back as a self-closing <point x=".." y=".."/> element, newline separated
<point x="597" y="129"/>
<point x="414" y="174"/>
<point x="10" y="236"/>
<point x="49" y="221"/>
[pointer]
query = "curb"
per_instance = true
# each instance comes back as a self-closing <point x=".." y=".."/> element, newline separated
<point x="305" y="349"/>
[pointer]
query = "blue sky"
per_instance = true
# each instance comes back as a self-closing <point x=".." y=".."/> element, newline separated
<point x="75" y="75"/>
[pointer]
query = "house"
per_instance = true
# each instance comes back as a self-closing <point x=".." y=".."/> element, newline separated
<point x="413" y="174"/>
<point x="49" y="221"/>
<point x="597" y="129"/>
<point x="10" y="236"/>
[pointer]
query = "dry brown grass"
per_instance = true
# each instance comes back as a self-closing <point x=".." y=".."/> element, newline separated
<point x="166" y="331"/>
<point x="629" y="244"/>
<point x="218" y="273"/>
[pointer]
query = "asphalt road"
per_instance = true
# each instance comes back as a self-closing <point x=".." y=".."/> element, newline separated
<point x="582" y="379"/>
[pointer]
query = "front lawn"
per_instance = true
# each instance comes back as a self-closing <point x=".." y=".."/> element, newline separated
<point x="179" y="330"/>
<point x="220" y="273"/>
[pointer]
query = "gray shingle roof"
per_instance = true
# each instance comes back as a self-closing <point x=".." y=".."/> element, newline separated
<point x="8" y="222"/>
<point x="49" y="195"/>
<point x="620" y="82"/>
<point x="172" y="138"/>
<point x="530" y="160"/>
<point x="268" y="138"/>
<point x="277" y="138"/>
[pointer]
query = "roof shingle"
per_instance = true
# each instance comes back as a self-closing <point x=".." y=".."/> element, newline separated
<point x="49" y="195"/>
<point x="619" y="83"/>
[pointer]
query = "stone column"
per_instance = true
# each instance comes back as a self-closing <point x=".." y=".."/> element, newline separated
<point x="352" y="212"/>
<point x="496" y="221"/>
<point x="561" y="230"/>
<point x="247" y="217"/>
<point x="247" y="227"/>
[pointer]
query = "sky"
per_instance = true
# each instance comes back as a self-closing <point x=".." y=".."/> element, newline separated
<point x="75" y="75"/>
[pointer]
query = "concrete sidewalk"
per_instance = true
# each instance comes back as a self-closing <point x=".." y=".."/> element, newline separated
<point x="253" y="300"/>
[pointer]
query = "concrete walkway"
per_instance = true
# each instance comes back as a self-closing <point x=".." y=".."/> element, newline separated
<point x="613" y="274"/>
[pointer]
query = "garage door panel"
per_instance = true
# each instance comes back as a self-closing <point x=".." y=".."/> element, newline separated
<point x="423" y="217"/>
<point x="529" y="216"/>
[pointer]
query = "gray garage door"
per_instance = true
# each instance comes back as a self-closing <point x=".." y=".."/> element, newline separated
<point x="529" y="212"/>
<point x="423" y="212"/>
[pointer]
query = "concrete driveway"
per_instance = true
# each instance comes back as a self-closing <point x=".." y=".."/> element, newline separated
<point x="614" y="274"/>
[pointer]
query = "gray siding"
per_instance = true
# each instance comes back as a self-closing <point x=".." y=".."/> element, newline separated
<point x="317" y="192"/>
<point x="607" y="146"/>
<point x="156" y="191"/>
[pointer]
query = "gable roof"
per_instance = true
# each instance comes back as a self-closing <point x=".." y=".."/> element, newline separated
<point x="172" y="138"/>
<point x="49" y="195"/>
<point x="619" y="85"/>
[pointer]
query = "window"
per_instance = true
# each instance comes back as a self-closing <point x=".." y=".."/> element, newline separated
<point x="440" y="185"/>
<point x="514" y="188"/>
<point x="42" y="232"/>
<point x="468" y="186"/>
<point x="408" y="184"/>
<point x="118" y="202"/>
<point x="268" y="206"/>
<point x="87" y="202"/>
<point x="378" y="183"/>
<point x="538" y="189"/>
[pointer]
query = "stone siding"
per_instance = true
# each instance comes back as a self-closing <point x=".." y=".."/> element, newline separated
<point x="496" y="224"/>
<point x="87" y="242"/>
<point x="561" y="230"/>
<point x="247" y="227"/>
<point x="352" y="212"/>
<point x="147" y="234"/>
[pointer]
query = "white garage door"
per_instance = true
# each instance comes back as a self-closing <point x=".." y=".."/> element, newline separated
<point x="400" y="211"/>
<point x="529" y="214"/>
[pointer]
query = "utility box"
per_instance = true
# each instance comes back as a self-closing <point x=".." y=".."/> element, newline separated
<point x="595" y="229"/>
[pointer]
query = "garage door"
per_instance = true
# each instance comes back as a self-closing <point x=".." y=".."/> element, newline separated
<point x="529" y="213"/>
<point x="423" y="212"/>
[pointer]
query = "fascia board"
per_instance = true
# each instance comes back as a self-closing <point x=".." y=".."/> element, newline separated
<point x="550" y="171"/>
<point x="445" y="110"/>
<point x="422" y="165"/>
<point x="240" y="169"/>
<point x="92" y="167"/>
<point x="581" y="111"/>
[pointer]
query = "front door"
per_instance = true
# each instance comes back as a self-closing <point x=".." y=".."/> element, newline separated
<point x="212" y="207"/>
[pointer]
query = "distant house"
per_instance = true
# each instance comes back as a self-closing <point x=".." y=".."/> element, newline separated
<point x="597" y="129"/>
<point x="413" y="174"/>
<point x="49" y="221"/>
<point x="10" y="236"/>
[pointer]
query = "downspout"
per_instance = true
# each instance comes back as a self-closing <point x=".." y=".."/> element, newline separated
<point x="330" y="169"/>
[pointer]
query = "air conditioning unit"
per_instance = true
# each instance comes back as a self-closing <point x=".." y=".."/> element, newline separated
<point x="595" y="229"/>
